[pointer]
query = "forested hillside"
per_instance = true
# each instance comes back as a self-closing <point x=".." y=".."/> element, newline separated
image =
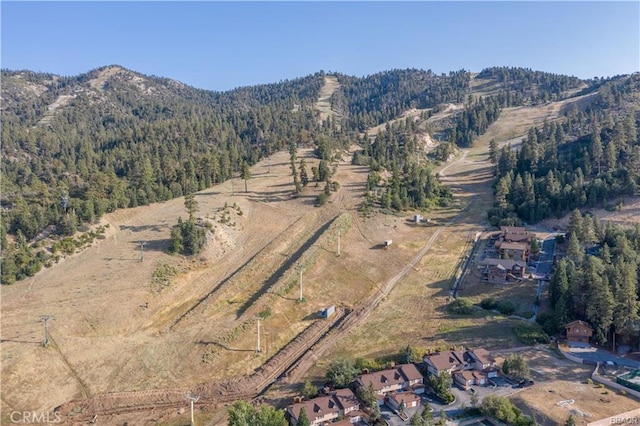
<point x="588" y="159"/>
<point x="600" y="287"/>
<point x="74" y="148"/>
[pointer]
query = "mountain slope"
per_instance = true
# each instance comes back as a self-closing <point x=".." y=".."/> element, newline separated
<point x="77" y="147"/>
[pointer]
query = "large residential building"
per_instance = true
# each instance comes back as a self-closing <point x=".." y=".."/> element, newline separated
<point x="470" y="367"/>
<point x="324" y="409"/>
<point x="515" y="234"/>
<point x="515" y="251"/>
<point x="503" y="271"/>
<point x="401" y="377"/>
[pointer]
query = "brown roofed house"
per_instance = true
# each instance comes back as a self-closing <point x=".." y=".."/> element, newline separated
<point x="502" y="271"/>
<point x="400" y="401"/>
<point x="469" y="378"/>
<point x="515" y="251"/>
<point x="578" y="331"/>
<point x="402" y="377"/>
<point x="452" y="361"/>
<point x="323" y="409"/>
<point x="515" y="234"/>
<point x="449" y="361"/>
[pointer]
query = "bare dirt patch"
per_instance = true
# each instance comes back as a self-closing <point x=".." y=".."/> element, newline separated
<point x="626" y="213"/>
<point x="557" y="380"/>
<point x="323" y="104"/>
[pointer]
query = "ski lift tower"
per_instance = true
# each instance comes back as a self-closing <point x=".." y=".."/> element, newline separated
<point x="192" y="399"/>
<point x="142" y="244"/>
<point x="301" y="298"/>
<point x="258" y="349"/>
<point x="46" y="319"/>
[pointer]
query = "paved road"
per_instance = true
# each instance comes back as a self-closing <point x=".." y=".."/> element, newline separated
<point x="543" y="267"/>
<point x="545" y="264"/>
<point x="600" y="355"/>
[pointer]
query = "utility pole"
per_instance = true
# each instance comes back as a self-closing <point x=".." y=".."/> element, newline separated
<point x="232" y="188"/>
<point x="142" y="244"/>
<point x="46" y="319"/>
<point x="258" y="350"/>
<point x="301" y="299"/>
<point x="338" y="243"/>
<point x="192" y="399"/>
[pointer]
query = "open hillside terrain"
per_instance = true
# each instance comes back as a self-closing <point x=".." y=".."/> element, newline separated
<point x="134" y="328"/>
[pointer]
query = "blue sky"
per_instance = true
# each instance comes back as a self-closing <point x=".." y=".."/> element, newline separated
<point x="222" y="45"/>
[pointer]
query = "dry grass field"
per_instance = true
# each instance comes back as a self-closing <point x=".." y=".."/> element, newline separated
<point x="117" y="328"/>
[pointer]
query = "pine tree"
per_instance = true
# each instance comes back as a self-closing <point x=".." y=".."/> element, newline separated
<point x="191" y="205"/>
<point x="599" y="299"/>
<point x="304" y="178"/>
<point x="245" y="173"/>
<point x="303" y="419"/>
<point x="309" y="390"/>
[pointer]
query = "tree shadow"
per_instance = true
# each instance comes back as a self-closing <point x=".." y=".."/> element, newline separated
<point x="444" y="286"/>
<point x="270" y="281"/>
<point x="38" y="342"/>
<point x="140" y="228"/>
<point x="161" y="245"/>
<point x="220" y="345"/>
<point x="499" y="333"/>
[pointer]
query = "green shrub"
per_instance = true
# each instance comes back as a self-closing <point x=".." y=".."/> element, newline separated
<point x="530" y="333"/>
<point x="488" y="303"/>
<point x="461" y="306"/>
<point x="265" y="313"/>
<point x="505" y="307"/>
<point x="527" y="314"/>
<point x="321" y="199"/>
<point x="369" y="364"/>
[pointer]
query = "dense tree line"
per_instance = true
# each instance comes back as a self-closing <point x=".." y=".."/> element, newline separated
<point x="380" y="97"/>
<point x="475" y="118"/>
<point x="588" y="159"/>
<point x="412" y="183"/>
<point x="601" y="287"/>
<point x="523" y="86"/>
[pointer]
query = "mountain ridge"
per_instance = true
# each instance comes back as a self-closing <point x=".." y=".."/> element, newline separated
<point x="113" y="138"/>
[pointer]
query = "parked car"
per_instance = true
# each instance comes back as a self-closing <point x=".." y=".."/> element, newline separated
<point x="525" y="383"/>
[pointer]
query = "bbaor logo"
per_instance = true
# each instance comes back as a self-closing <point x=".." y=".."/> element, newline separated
<point x="35" y="417"/>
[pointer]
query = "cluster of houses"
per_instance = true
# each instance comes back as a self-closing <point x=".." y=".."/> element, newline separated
<point x="398" y="387"/>
<point x="467" y="368"/>
<point x="513" y="250"/>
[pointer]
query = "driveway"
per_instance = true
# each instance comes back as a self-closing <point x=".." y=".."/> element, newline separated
<point x="594" y="355"/>
<point x="543" y="268"/>
<point x="545" y="264"/>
